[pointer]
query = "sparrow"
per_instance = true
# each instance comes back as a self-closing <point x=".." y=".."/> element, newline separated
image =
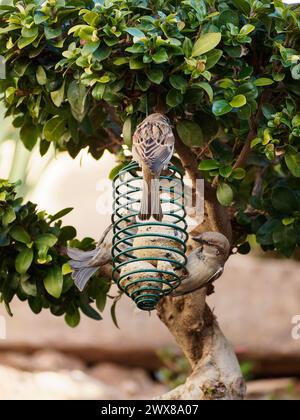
<point x="153" y="147"/>
<point x="86" y="263"/>
<point x="132" y="281"/>
<point x="205" y="264"/>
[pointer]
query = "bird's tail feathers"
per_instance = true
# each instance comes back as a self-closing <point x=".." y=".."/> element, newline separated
<point x="145" y="210"/>
<point x="79" y="263"/>
<point x="156" y="209"/>
<point x="150" y="203"/>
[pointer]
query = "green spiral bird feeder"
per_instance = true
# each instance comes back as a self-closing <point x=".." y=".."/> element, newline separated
<point x="148" y="257"/>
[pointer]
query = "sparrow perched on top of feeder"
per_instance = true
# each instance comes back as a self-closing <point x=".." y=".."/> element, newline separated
<point x="153" y="147"/>
<point x="206" y="263"/>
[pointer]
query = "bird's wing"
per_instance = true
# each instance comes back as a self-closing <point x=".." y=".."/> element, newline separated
<point x="154" y="145"/>
<point x="215" y="276"/>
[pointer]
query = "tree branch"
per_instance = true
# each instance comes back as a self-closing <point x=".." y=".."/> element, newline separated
<point x="217" y="217"/>
<point x="242" y="158"/>
<point x="253" y="125"/>
<point x="215" y="370"/>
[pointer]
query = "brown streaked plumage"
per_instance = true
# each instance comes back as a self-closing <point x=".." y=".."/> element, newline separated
<point x="153" y="147"/>
<point x="205" y="264"/>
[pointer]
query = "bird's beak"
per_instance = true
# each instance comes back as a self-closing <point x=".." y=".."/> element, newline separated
<point x="198" y="239"/>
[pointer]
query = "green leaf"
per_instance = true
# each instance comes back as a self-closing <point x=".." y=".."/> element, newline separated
<point x="41" y="76"/>
<point x="234" y="52"/>
<point x="24" y="260"/>
<point x="296" y="72"/>
<point x="29" y="135"/>
<point x="120" y="61"/>
<point x="229" y="16"/>
<point x="284" y="200"/>
<point x="213" y="57"/>
<point x="178" y="82"/>
<point x="226" y="171"/>
<point x="270" y="151"/>
<point x="72" y="318"/>
<point x="242" y="5"/>
<point x="28" y="286"/>
<point x="55" y="129"/>
<point x="160" y="56"/>
<point x="285" y="239"/>
<point x="127" y="131"/>
<point x="9" y="216"/>
<point x="98" y="91"/>
<point x="209" y="165"/>
<point x="136" y="63"/>
<point x="57" y="96"/>
<point x="187" y="47"/>
<point x="45" y="239"/>
<point x="268" y="110"/>
<point x="115" y="171"/>
<point x="67" y="233"/>
<point x="66" y="269"/>
<point x="135" y="32"/>
<point x="90" y="312"/>
<point x="104" y="79"/>
<point x="225" y="194"/>
<point x="263" y="81"/>
<point x="60" y="214"/>
<point x="238" y="101"/>
<point x="51" y="33"/>
<point x="174" y="98"/>
<point x="221" y="107"/>
<point x="207" y="88"/>
<point x="53" y="281"/>
<point x="264" y="235"/>
<point x="155" y="75"/>
<point x="296" y="120"/>
<point x="101" y="299"/>
<point x="25" y="41"/>
<point x="205" y="43"/>
<point x="238" y="173"/>
<point x="18" y="233"/>
<point x="190" y="133"/>
<point x="113" y="313"/>
<point x="292" y="160"/>
<point x="77" y="97"/>
<point x="247" y="29"/>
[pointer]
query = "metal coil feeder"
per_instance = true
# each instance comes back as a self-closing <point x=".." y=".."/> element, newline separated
<point x="148" y="257"/>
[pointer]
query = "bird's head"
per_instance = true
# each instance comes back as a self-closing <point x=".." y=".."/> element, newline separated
<point x="157" y="117"/>
<point x="214" y="243"/>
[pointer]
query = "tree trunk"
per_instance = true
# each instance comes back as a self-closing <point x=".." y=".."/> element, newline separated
<point x="215" y="373"/>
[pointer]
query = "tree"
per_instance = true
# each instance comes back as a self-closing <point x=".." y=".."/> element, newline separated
<point x="227" y="74"/>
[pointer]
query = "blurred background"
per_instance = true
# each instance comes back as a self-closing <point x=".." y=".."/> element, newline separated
<point x="256" y="302"/>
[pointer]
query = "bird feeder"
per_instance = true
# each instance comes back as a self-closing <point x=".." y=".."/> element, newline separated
<point x="149" y="256"/>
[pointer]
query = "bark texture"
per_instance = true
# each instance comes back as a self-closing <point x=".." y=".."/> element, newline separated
<point x="215" y="373"/>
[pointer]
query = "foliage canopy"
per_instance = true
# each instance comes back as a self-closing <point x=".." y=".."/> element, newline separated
<point x="83" y="74"/>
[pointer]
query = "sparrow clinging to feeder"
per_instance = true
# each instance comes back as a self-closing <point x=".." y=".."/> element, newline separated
<point x="85" y="263"/>
<point x="153" y="147"/>
<point x="206" y="263"/>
